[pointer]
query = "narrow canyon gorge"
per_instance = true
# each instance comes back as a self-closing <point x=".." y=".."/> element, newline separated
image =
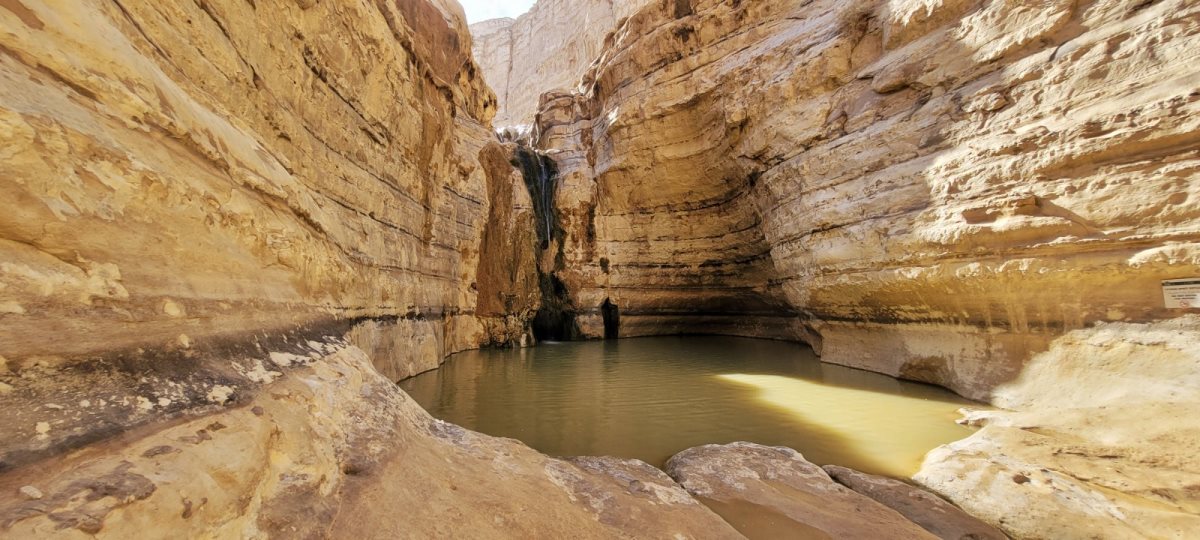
<point x="233" y="228"/>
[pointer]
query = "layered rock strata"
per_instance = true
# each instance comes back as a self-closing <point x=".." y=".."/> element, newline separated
<point x="317" y="452"/>
<point x="195" y="191"/>
<point x="214" y="208"/>
<point x="960" y="193"/>
<point x="548" y="48"/>
<point x="929" y="189"/>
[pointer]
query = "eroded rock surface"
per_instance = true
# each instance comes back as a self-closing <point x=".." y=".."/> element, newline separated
<point x="192" y="186"/>
<point x="187" y="170"/>
<point x="940" y="191"/>
<point x="932" y="190"/>
<point x="931" y="512"/>
<point x="219" y="214"/>
<point x="322" y="452"/>
<point x="773" y="492"/>
<point x="1101" y="441"/>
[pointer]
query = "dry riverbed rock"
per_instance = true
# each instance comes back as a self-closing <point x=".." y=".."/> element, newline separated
<point x="1101" y="440"/>
<point x="774" y="492"/>
<point x="931" y="512"/>
<point x="324" y="451"/>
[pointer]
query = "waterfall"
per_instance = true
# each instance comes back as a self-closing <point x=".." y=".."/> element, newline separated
<point x="544" y="180"/>
<point x="555" y="319"/>
<point x="540" y="177"/>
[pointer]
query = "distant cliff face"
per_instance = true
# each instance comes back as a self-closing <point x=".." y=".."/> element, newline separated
<point x="933" y="190"/>
<point x="548" y="48"/>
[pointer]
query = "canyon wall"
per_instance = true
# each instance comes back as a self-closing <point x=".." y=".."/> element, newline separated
<point x="930" y="189"/>
<point x="229" y="227"/>
<point x="547" y="48"/>
<point x="984" y="195"/>
<point x="195" y="191"/>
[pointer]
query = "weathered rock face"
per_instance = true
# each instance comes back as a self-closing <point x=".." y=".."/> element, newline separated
<point x="213" y="208"/>
<point x="547" y="48"/>
<point x="194" y="192"/>
<point x="178" y="172"/>
<point x="507" y="276"/>
<point x="1101" y="441"/>
<point x="317" y="453"/>
<point x="934" y="514"/>
<point x="936" y="190"/>
<point x="929" y="189"/>
<point x="772" y="492"/>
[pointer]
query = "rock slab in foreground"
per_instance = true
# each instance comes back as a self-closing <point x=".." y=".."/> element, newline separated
<point x="937" y="516"/>
<point x="774" y="492"/>
<point x="1099" y="440"/>
<point x="332" y="449"/>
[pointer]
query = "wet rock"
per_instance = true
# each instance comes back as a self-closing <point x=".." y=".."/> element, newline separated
<point x="931" y="512"/>
<point x="774" y="491"/>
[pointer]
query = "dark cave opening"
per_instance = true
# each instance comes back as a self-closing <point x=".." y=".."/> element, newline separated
<point x="555" y="320"/>
<point x="612" y="319"/>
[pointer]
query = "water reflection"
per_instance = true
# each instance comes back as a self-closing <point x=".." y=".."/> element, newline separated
<point x="650" y="398"/>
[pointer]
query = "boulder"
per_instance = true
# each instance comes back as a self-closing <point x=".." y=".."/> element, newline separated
<point x="937" y="516"/>
<point x="773" y="492"/>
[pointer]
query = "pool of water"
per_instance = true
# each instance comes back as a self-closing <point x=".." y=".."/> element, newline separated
<point x="649" y="398"/>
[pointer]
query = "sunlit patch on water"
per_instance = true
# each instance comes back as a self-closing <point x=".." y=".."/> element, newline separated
<point x="650" y="398"/>
<point x="891" y="432"/>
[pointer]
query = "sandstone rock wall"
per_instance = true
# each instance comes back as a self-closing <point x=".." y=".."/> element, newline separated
<point x="929" y="189"/>
<point x="186" y="182"/>
<point x="980" y="194"/>
<point x="545" y="49"/>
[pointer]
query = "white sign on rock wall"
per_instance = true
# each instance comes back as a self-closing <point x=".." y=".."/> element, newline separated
<point x="1182" y="293"/>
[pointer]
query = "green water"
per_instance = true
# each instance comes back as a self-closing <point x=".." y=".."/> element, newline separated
<point x="649" y="398"/>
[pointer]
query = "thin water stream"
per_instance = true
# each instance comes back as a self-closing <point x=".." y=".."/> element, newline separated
<point x="649" y="398"/>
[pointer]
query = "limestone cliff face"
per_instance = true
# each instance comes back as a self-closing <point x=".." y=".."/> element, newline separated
<point x="980" y="194"/>
<point x="930" y="189"/>
<point x="547" y="48"/>
<point x="191" y="186"/>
